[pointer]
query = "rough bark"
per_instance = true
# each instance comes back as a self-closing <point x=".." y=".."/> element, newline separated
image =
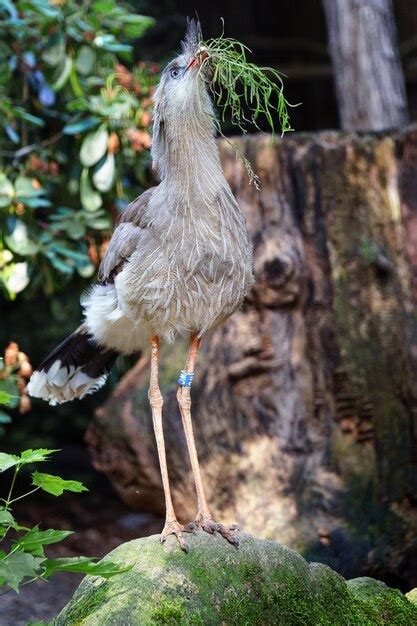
<point x="305" y="400"/>
<point x="367" y="69"/>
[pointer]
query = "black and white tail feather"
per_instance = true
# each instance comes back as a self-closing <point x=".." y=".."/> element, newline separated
<point x="75" y="369"/>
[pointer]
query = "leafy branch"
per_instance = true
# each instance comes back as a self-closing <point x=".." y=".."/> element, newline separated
<point x="25" y="560"/>
<point x="64" y="83"/>
<point x="238" y="84"/>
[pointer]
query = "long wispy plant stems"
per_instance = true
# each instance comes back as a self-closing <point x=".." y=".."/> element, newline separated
<point x="243" y="90"/>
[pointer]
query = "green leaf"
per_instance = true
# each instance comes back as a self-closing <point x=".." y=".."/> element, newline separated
<point x="76" y="86"/>
<point x="64" y="72"/>
<point x="7" y="519"/>
<point x="6" y="191"/>
<point x="85" y="26"/>
<point x="72" y="254"/>
<point x="19" y="241"/>
<point x="39" y="6"/>
<point x="14" y="568"/>
<point x="5" y="418"/>
<point x="16" y="280"/>
<point x="99" y="223"/>
<point x="75" y="229"/>
<point x="5" y="397"/>
<point x="79" y="127"/>
<point x="136" y="25"/>
<point x="54" y="50"/>
<point x="35" y="456"/>
<point x="109" y="42"/>
<point x="85" y="60"/>
<point x="85" y="565"/>
<point x="94" y="146"/>
<point x="11" y="133"/>
<point x="59" y="264"/>
<point x="90" y="199"/>
<point x="75" y="34"/>
<point x="103" y="177"/>
<point x="86" y="271"/>
<point x="37" y="203"/>
<point x="34" y="540"/>
<point x="25" y="188"/>
<point x="102" y="6"/>
<point x="7" y="461"/>
<point x="36" y="121"/>
<point x="9" y="387"/>
<point x="55" y="484"/>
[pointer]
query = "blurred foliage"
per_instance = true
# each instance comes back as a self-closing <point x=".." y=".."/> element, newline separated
<point x="75" y="129"/>
<point x="15" y="370"/>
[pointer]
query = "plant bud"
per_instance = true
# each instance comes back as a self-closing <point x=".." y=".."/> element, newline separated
<point x="25" y="404"/>
<point x="113" y="143"/>
<point x="11" y="354"/>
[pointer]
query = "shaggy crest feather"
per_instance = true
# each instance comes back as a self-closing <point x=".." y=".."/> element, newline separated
<point x="193" y="36"/>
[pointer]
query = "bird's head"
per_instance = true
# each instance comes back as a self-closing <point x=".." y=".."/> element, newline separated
<point x="182" y="105"/>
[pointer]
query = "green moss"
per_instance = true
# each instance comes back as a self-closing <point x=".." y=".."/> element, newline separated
<point x="92" y="598"/>
<point x="168" y="612"/>
<point x="383" y="605"/>
<point x="259" y="583"/>
<point x="412" y="596"/>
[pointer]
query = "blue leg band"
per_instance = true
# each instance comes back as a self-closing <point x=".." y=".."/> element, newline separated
<point x="185" y="379"/>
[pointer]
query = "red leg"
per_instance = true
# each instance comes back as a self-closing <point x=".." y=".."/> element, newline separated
<point x="204" y="519"/>
<point x="172" y="526"/>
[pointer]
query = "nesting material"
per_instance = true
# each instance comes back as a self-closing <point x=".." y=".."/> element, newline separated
<point x="243" y="90"/>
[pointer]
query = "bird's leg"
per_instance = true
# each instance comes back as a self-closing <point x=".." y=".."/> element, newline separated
<point x="204" y="519"/>
<point x="172" y="526"/>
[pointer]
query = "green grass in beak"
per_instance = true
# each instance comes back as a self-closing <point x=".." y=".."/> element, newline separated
<point x="238" y="86"/>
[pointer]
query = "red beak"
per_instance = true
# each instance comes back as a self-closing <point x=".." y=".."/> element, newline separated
<point x="192" y="63"/>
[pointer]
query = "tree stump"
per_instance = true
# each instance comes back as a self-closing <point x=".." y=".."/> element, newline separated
<point x="305" y="401"/>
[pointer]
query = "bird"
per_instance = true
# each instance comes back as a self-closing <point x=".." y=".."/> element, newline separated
<point x="179" y="263"/>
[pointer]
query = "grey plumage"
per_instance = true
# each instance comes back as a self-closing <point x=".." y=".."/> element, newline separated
<point x="180" y="259"/>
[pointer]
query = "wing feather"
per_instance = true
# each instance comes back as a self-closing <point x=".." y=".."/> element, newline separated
<point x="125" y="238"/>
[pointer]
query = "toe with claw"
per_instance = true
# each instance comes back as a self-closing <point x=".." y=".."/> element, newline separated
<point x="209" y="525"/>
<point x="173" y="527"/>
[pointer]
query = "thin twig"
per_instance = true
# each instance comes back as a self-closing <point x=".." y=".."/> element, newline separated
<point x="24" y="495"/>
<point x="3" y="593"/>
<point x="9" y="496"/>
<point x="18" y="154"/>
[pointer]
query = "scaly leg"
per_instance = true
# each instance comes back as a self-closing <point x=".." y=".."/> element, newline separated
<point x="204" y="519"/>
<point x="172" y="526"/>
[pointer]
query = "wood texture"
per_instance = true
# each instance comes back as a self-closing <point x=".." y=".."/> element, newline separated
<point x="305" y="401"/>
<point x="366" y="64"/>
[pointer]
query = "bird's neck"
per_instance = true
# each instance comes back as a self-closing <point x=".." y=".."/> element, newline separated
<point x="194" y="164"/>
<point x="191" y="163"/>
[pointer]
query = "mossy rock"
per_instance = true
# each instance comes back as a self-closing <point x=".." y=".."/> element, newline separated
<point x="412" y="596"/>
<point x="261" y="582"/>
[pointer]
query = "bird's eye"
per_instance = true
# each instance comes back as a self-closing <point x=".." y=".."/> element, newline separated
<point x="175" y="72"/>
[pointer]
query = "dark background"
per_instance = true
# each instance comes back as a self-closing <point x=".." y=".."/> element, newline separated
<point x="290" y="36"/>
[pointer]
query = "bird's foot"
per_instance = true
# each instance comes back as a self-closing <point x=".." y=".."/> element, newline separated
<point x="173" y="527"/>
<point x="209" y="525"/>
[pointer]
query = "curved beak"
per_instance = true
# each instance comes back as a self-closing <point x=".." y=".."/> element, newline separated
<point x="197" y="59"/>
<point x="193" y="63"/>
